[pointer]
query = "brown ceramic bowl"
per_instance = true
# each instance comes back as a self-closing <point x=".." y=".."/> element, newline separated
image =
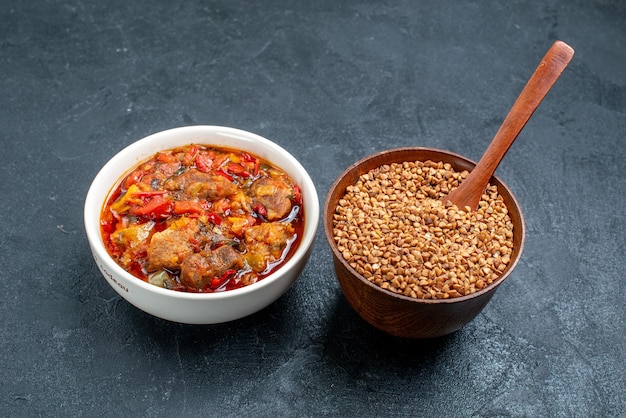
<point x="401" y="315"/>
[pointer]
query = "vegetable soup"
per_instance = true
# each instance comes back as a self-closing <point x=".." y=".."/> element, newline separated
<point x="203" y="219"/>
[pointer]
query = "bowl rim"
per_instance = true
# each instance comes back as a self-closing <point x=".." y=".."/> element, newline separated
<point x="328" y="230"/>
<point x="92" y="206"/>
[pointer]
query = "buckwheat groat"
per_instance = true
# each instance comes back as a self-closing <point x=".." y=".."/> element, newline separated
<point x="392" y="229"/>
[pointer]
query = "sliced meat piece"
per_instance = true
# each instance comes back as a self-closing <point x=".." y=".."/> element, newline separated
<point x="197" y="270"/>
<point x="274" y="234"/>
<point x="202" y="185"/>
<point x="274" y="195"/>
<point x="266" y="242"/>
<point x="171" y="246"/>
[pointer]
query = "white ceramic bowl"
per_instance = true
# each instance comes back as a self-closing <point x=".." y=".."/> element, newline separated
<point x="199" y="308"/>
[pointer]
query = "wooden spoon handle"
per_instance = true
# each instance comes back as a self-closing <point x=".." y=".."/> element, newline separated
<point x="539" y="84"/>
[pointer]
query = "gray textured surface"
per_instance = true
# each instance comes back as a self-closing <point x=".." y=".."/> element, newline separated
<point x="331" y="82"/>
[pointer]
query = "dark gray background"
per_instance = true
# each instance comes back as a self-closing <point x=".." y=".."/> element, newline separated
<point x="331" y="81"/>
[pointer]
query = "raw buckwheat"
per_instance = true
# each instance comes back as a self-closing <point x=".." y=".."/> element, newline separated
<point x="392" y="229"/>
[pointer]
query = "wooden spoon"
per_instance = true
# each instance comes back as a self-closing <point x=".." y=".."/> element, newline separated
<point x="550" y="68"/>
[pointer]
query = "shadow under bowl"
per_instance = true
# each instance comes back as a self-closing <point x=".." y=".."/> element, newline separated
<point x="400" y="315"/>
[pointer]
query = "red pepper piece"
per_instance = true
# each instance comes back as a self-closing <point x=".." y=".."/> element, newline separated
<point x="297" y="194"/>
<point x="187" y="206"/>
<point x="251" y="161"/>
<point x="134" y="178"/>
<point x="156" y="207"/>
<point x="203" y="163"/>
<point x="219" y="159"/>
<point x="234" y="168"/>
<point x="214" y="218"/>
<point x="190" y="156"/>
<point x="260" y="209"/>
<point x="237" y="169"/>
<point x="247" y="157"/>
<point x="225" y="174"/>
<point x="219" y="281"/>
<point x="166" y="157"/>
<point x="107" y="222"/>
